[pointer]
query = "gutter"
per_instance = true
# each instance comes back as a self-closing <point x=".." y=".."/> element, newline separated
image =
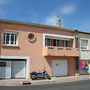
<point x="35" y="25"/>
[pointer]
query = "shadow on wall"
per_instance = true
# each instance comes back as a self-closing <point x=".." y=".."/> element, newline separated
<point x="48" y="65"/>
<point x="11" y="47"/>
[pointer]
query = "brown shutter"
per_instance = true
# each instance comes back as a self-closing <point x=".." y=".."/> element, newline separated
<point x="69" y="42"/>
<point x="61" y="43"/>
<point x="51" y="42"/>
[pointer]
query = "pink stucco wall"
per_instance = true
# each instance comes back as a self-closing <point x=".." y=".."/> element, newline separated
<point x="33" y="49"/>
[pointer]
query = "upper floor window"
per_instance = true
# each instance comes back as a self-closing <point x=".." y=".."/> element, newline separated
<point x="47" y="42"/>
<point x="84" y="44"/>
<point x="9" y="38"/>
<point x="66" y="43"/>
<point x="56" y="42"/>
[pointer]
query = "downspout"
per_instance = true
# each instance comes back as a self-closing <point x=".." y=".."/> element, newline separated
<point x="77" y="46"/>
<point x="0" y="43"/>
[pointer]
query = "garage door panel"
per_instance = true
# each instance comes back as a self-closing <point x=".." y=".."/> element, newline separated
<point x="59" y="68"/>
<point x="18" y="69"/>
<point x="13" y="69"/>
<point x="5" y="71"/>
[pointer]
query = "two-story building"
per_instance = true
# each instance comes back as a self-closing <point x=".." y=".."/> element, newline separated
<point x="27" y="47"/>
<point x="84" y="45"/>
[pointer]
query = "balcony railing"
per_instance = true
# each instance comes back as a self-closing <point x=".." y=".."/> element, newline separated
<point x="61" y="51"/>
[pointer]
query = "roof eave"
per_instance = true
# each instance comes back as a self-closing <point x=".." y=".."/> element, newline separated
<point x="34" y="24"/>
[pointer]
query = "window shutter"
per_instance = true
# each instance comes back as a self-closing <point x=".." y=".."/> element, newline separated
<point x="61" y="43"/>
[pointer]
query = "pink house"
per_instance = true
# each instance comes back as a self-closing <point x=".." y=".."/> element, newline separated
<point x="27" y="47"/>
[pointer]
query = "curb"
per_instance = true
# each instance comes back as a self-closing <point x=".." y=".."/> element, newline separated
<point x="10" y="83"/>
<point x="60" y="81"/>
<point x="43" y="82"/>
<point x="16" y="83"/>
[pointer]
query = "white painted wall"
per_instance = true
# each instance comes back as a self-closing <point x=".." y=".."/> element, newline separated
<point x="84" y="54"/>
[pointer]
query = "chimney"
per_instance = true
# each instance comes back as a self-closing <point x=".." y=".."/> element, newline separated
<point x="59" y="23"/>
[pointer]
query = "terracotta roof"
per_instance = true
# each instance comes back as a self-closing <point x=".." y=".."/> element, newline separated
<point x="35" y="24"/>
<point x="41" y="25"/>
<point x="84" y="32"/>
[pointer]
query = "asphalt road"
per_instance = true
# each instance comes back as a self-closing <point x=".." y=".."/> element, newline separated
<point x="82" y="85"/>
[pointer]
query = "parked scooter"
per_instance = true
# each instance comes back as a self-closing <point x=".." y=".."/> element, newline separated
<point x="43" y="75"/>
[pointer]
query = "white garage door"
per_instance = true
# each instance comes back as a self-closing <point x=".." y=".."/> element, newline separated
<point x="18" y="69"/>
<point x="59" y="68"/>
<point x="5" y="69"/>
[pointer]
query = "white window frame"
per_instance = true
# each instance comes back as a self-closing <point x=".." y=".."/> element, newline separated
<point x="55" y="35"/>
<point x="10" y="39"/>
<point x="84" y="47"/>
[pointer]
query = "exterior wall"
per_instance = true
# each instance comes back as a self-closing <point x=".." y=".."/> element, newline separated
<point x="62" y="51"/>
<point x="34" y="50"/>
<point x="20" y="58"/>
<point x="71" y="64"/>
<point x="84" y="54"/>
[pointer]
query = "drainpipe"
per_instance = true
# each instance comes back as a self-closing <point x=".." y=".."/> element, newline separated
<point x="0" y="43"/>
<point x="76" y="39"/>
<point x="77" y="46"/>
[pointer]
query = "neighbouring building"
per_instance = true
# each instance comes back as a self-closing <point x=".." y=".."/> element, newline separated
<point x="27" y="47"/>
<point x="84" y="45"/>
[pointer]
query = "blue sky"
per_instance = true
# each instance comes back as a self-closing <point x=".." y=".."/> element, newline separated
<point x="75" y="14"/>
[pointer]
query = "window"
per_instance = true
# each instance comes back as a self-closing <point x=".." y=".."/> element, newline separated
<point x="84" y="44"/>
<point x="56" y="42"/>
<point x="65" y="43"/>
<point x="9" y="38"/>
<point x="47" y="42"/>
<point x="31" y="36"/>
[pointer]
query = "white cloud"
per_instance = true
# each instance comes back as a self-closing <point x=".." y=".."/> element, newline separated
<point x="51" y="20"/>
<point x="68" y="9"/>
<point x="3" y="4"/>
<point x="64" y="10"/>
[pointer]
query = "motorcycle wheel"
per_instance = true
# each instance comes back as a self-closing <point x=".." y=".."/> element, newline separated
<point x="48" y="77"/>
<point x="33" y="77"/>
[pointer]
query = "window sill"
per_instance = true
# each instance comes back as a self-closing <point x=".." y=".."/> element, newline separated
<point x="15" y="46"/>
<point x="85" y="49"/>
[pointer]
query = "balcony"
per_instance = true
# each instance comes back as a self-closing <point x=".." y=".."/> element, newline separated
<point x="61" y="51"/>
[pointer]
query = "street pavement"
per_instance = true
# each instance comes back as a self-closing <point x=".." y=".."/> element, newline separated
<point x="54" y="80"/>
<point x="80" y="85"/>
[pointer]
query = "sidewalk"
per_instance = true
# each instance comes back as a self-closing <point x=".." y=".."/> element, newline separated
<point x="61" y="80"/>
<point x="21" y="82"/>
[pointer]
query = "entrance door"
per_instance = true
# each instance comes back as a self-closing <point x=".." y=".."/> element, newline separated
<point x="5" y="69"/>
<point x="59" y="68"/>
<point x="18" y="69"/>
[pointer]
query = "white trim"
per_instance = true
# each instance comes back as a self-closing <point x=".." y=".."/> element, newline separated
<point x="43" y="43"/>
<point x="54" y="35"/>
<point x="61" y="36"/>
<point x="20" y="57"/>
<point x="82" y="47"/>
<point x="10" y="32"/>
<point x="52" y="67"/>
<point x="15" y="33"/>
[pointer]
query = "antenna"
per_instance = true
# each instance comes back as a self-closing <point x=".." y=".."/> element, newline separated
<point x="58" y="17"/>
